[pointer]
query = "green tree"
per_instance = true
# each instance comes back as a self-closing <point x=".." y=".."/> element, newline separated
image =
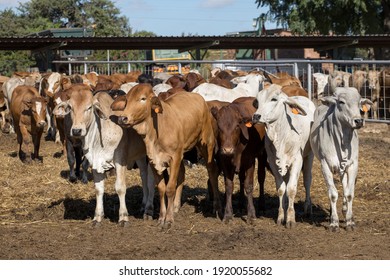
<point x="357" y="17"/>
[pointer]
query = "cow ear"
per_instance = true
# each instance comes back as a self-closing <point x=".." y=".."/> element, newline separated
<point x="365" y="104"/>
<point x="156" y="105"/>
<point x="119" y="103"/>
<point x="244" y="130"/>
<point x="61" y="109"/>
<point x="65" y="82"/>
<point x="98" y="110"/>
<point x="295" y="107"/>
<point x="328" y="100"/>
<point x="214" y="111"/>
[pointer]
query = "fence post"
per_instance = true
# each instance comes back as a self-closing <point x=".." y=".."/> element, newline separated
<point x="128" y="67"/>
<point x="85" y="68"/>
<point x="179" y="67"/>
<point x="70" y="68"/>
<point x="309" y="80"/>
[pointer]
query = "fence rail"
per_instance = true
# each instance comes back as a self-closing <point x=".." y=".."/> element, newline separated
<point x="302" y="69"/>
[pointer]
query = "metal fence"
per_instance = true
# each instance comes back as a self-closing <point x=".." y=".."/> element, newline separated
<point x="302" y="69"/>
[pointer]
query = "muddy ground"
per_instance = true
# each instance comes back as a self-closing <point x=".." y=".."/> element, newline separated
<point x="44" y="216"/>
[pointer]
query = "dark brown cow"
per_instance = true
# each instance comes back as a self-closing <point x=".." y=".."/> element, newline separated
<point x="193" y="80"/>
<point x="170" y="128"/>
<point x="240" y="144"/>
<point x="28" y="111"/>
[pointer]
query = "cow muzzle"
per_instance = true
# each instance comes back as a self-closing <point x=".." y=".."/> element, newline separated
<point x="227" y="151"/>
<point x="41" y="124"/>
<point x="122" y="120"/>
<point x="256" y="118"/>
<point x="76" y="132"/>
<point x="359" y="123"/>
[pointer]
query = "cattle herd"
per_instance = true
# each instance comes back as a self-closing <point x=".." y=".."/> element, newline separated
<point x="116" y="122"/>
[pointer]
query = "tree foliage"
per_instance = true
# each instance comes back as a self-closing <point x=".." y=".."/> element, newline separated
<point x="347" y="17"/>
<point x="38" y="15"/>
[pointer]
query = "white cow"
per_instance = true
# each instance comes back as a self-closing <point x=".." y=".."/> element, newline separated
<point x="287" y="121"/>
<point x="322" y="81"/>
<point x="106" y="145"/>
<point x="246" y="86"/>
<point x="334" y="140"/>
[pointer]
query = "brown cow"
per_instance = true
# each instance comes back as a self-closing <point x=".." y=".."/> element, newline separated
<point x="239" y="145"/>
<point x="28" y="111"/>
<point x="170" y="128"/>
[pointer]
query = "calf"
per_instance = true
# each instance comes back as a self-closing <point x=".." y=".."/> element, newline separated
<point x="288" y="121"/>
<point x="105" y="145"/>
<point x="170" y="128"/>
<point x="334" y="140"/>
<point x="28" y="111"/>
<point x="239" y="145"/>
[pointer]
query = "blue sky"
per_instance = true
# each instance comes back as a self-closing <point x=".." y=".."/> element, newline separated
<point x="177" y="17"/>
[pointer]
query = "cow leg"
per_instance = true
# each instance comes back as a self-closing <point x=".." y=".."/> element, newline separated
<point x="292" y="192"/>
<point x="120" y="188"/>
<point x="332" y="194"/>
<point x="349" y="193"/>
<point x="247" y="176"/>
<point x="159" y="180"/>
<point x="70" y="156"/>
<point x="98" y="179"/>
<point x="78" y="151"/>
<point x="229" y="177"/>
<point x="281" y="189"/>
<point x="84" y="172"/>
<point x="179" y="189"/>
<point x="171" y="190"/>
<point x="307" y="179"/>
<point x="37" y="144"/>
<point x="261" y="170"/>
<point x="148" y="185"/>
<point x="213" y="172"/>
<point x="24" y="151"/>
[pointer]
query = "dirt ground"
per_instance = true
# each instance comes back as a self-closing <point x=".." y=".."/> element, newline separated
<point x="44" y="216"/>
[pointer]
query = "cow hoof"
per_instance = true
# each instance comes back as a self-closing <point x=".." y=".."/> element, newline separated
<point x="84" y="181"/>
<point x="72" y="179"/>
<point x="167" y="225"/>
<point x="279" y="222"/>
<point x="350" y="228"/>
<point x="227" y="220"/>
<point x="124" y="224"/>
<point x="148" y="217"/>
<point x="96" y="224"/>
<point x="334" y="228"/>
<point x="291" y="225"/>
<point x="250" y="220"/>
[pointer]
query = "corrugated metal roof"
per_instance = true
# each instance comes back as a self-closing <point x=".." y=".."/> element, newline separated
<point x="192" y="42"/>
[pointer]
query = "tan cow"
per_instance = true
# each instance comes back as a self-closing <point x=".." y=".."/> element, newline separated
<point x="169" y="128"/>
<point x="28" y="111"/>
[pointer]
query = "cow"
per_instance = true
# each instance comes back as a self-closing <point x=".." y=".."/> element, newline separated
<point x="334" y="141"/>
<point x="287" y="120"/>
<point x="246" y="86"/>
<point x="28" y="110"/>
<point x="106" y="145"/>
<point x="374" y="89"/>
<point x="169" y="128"/>
<point x="239" y="144"/>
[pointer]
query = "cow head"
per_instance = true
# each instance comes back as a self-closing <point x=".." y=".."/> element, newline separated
<point x="348" y="105"/>
<point x="51" y="84"/>
<point x="37" y="105"/>
<point x="272" y="103"/>
<point x="373" y="79"/>
<point x="232" y="129"/>
<point x="80" y="107"/>
<point x="136" y="106"/>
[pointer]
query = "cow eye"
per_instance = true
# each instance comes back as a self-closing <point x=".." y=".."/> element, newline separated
<point x="341" y="102"/>
<point x="143" y="99"/>
<point x="274" y="99"/>
<point x="89" y="108"/>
